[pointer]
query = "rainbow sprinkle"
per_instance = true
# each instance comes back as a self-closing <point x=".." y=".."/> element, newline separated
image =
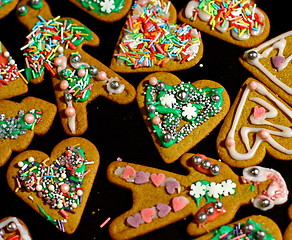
<point x="149" y="39"/>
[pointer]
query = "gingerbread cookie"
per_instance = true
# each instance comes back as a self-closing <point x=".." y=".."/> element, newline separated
<point x="6" y="6"/>
<point x="270" y="63"/>
<point x="12" y="82"/>
<point x="105" y="10"/>
<point x="57" y="187"/>
<point x="258" y="122"/>
<point x="288" y="231"/>
<point x="77" y="77"/>
<point x="178" y="115"/>
<point x="255" y="227"/>
<point x="12" y="228"/>
<point x="238" y="22"/>
<point x="211" y="193"/>
<point x="20" y="121"/>
<point x="152" y="41"/>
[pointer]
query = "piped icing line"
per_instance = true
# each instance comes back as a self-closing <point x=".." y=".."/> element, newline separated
<point x="277" y="191"/>
<point x="253" y="57"/>
<point x="262" y="133"/>
<point x="24" y="235"/>
<point x="241" y="18"/>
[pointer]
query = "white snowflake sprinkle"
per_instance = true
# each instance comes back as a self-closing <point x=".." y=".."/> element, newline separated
<point x="198" y="189"/>
<point x="107" y="6"/>
<point x="189" y="111"/>
<point x="214" y="190"/>
<point x="168" y="100"/>
<point x="228" y="187"/>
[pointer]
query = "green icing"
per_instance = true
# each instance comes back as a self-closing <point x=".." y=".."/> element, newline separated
<point x="180" y="116"/>
<point x="47" y="216"/>
<point x="227" y="229"/>
<point x="103" y="7"/>
<point x="4" y="2"/>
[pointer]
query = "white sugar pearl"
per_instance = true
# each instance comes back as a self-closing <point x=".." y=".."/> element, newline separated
<point x="39" y="188"/>
<point x="20" y="164"/>
<point x="79" y="192"/>
<point x="63" y="175"/>
<point x="60" y="49"/>
<point x="60" y="205"/>
<point x="12" y="61"/>
<point x="51" y="187"/>
<point x="6" y="54"/>
<point x="74" y="205"/>
<point x="31" y="159"/>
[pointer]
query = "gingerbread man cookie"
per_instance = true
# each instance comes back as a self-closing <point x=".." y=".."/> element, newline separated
<point x="258" y="122"/>
<point x="20" y="121"/>
<point x="211" y="192"/>
<point x="238" y="22"/>
<point x="152" y="41"/>
<point x="12" y="228"/>
<point x="77" y="77"/>
<point x="12" y="82"/>
<point x="57" y="187"/>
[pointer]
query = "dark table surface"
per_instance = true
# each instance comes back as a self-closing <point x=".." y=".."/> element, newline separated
<point x="119" y="130"/>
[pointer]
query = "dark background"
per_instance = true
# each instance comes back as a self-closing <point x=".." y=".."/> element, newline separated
<point x="119" y="130"/>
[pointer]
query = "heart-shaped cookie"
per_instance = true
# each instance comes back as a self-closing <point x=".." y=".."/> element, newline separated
<point x="12" y="82"/>
<point x="241" y="23"/>
<point x="178" y="115"/>
<point x="105" y="10"/>
<point x="57" y="187"/>
<point x="6" y="7"/>
<point x="77" y="77"/>
<point x="12" y="228"/>
<point x="20" y="121"/>
<point x="152" y="41"/>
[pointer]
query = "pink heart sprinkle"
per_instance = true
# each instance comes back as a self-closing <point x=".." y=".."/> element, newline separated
<point x="163" y="209"/>
<point x="141" y="178"/>
<point x="135" y="220"/>
<point x="171" y="185"/>
<point x="157" y="179"/>
<point x="147" y="214"/>
<point x="178" y="203"/>
<point x="278" y="61"/>
<point x="258" y="112"/>
<point x="128" y="172"/>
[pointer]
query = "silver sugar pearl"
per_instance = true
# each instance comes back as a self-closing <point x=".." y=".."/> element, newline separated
<point x="206" y="164"/>
<point x="254" y="171"/>
<point x="114" y="85"/>
<point x="265" y="203"/>
<point x="2" y="232"/>
<point x="202" y="217"/>
<point x="197" y="159"/>
<point x="182" y="95"/>
<point x="218" y="204"/>
<point x="75" y="58"/>
<point x="34" y="2"/>
<point x="210" y="210"/>
<point x="11" y="227"/>
<point x="68" y="97"/>
<point x="215" y="169"/>
<point x="160" y="86"/>
<point x="248" y="228"/>
<point x="21" y="9"/>
<point x="252" y="55"/>
<point x="93" y="70"/>
<point x="151" y="108"/>
<point x="261" y="234"/>
<point x="167" y="137"/>
<point x="215" y="97"/>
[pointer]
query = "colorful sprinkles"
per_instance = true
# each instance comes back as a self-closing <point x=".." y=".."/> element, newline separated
<point x="59" y="184"/>
<point x="47" y="40"/>
<point x="149" y="39"/>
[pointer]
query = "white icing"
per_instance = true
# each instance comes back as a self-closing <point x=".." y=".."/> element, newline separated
<point x="119" y="90"/>
<point x="278" y="43"/>
<point x="71" y="120"/>
<point x="277" y="191"/>
<point x="24" y="235"/>
<point x="272" y="112"/>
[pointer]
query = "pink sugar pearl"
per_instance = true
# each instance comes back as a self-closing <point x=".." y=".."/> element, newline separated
<point x="101" y="76"/>
<point x="230" y="142"/>
<point x="156" y="120"/>
<point x="264" y="134"/>
<point x="153" y="81"/>
<point x="70" y="111"/>
<point x="58" y="61"/>
<point x="29" y="118"/>
<point x="64" y="188"/>
<point x="81" y="72"/>
<point x="253" y="85"/>
<point x="64" y="84"/>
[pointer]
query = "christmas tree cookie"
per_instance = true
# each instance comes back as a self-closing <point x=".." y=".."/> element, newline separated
<point x="211" y="193"/>
<point x="178" y="115"/>
<point x="77" y="77"/>
<point x="57" y="187"/>
<point x="20" y="121"/>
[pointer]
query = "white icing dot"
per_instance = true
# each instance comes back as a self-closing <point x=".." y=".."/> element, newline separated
<point x="20" y="164"/>
<point x="31" y="159"/>
<point x="79" y="192"/>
